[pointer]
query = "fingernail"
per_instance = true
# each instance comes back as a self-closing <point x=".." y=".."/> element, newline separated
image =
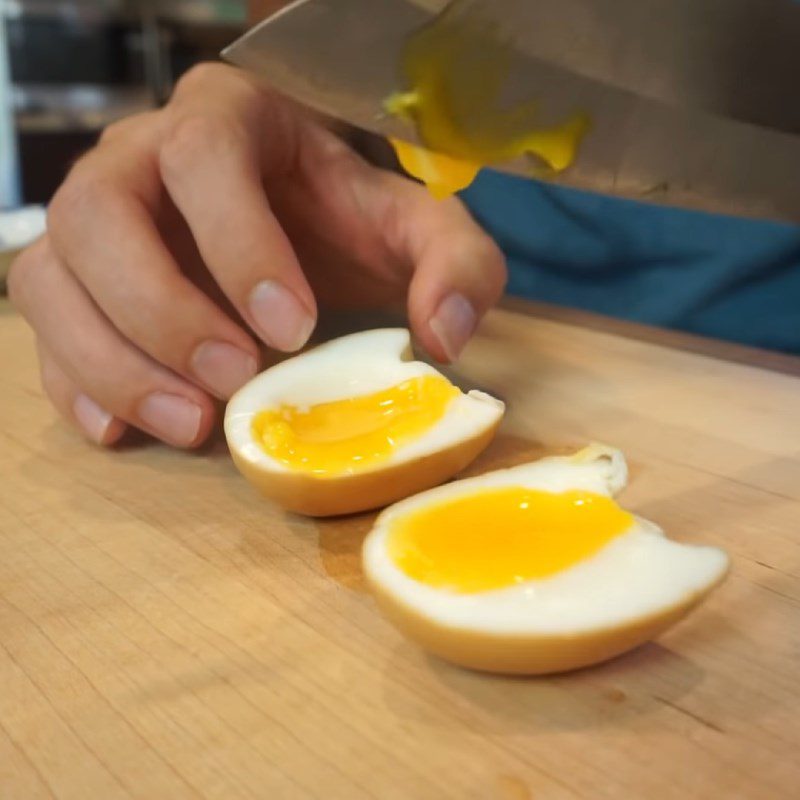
<point x="281" y="319"/>
<point x="94" y="420"/>
<point x="453" y="323"/>
<point x="222" y="367"/>
<point x="172" y="418"/>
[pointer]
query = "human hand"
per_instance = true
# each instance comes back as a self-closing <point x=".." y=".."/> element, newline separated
<point x="228" y="215"/>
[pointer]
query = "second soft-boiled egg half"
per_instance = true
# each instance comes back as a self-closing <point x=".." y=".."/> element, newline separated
<point x="533" y="569"/>
<point x="355" y="424"/>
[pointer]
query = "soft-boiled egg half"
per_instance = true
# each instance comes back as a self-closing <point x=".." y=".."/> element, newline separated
<point x="355" y="424"/>
<point x="533" y="569"/>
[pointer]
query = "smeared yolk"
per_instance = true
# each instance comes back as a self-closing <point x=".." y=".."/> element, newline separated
<point x="355" y="433"/>
<point x="504" y="536"/>
<point x="456" y="68"/>
<point x="441" y="174"/>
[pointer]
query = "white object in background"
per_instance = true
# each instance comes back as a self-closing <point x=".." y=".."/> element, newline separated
<point x="18" y="228"/>
<point x="9" y="164"/>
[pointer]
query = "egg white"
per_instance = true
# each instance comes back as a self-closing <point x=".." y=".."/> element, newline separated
<point x="636" y="575"/>
<point x="351" y="366"/>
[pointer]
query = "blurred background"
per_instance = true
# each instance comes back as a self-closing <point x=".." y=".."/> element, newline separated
<point x="69" y="67"/>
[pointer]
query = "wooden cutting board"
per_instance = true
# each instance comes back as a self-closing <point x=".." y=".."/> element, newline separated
<point x="166" y="633"/>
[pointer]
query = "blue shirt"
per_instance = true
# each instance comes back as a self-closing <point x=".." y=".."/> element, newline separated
<point x="714" y="275"/>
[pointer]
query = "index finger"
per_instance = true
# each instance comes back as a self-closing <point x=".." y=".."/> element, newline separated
<point x="212" y="162"/>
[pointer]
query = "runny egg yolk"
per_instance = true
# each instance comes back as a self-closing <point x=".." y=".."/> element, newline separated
<point x="456" y="69"/>
<point x="355" y="433"/>
<point x="504" y="536"/>
<point x="442" y="174"/>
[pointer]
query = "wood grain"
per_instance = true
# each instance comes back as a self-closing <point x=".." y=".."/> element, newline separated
<point x="165" y="633"/>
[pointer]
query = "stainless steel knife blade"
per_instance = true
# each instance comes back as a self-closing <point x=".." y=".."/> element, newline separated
<point x="690" y="100"/>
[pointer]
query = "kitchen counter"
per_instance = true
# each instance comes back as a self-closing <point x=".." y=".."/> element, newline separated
<point x="167" y="633"/>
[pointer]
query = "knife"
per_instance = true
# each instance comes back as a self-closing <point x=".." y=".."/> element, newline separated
<point x="693" y="103"/>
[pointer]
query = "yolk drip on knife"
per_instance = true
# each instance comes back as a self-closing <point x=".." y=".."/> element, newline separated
<point x="456" y="68"/>
<point x="442" y="174"/>
<point x="353" y="434"/>
<point x="504" y="536"/>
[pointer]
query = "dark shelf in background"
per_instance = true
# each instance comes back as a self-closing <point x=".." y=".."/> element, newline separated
<point x="77" y="65"/>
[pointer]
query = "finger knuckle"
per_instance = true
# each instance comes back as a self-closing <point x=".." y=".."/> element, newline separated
<point x="85" y="192"/>
<point x="199" y="77"/>
<point x="22" y="270"/>
<point x="487" y="254"/>
<point x="193" y="136"/>
<point x="186" y="137"/>
<point x="115" y="131"/>
<point x="123" y="128"/>
<point x="15" y="282"/>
